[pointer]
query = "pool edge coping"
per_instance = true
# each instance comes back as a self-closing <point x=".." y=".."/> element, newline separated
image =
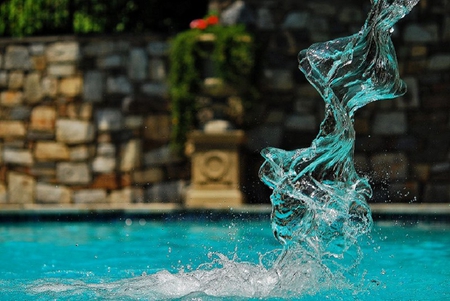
<point x="386" y="210"/>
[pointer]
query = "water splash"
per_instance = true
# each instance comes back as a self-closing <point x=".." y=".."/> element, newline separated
<point x="223" y="278"/>
<point x="319" y="202"/>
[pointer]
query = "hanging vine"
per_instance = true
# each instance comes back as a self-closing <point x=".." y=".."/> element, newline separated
<point x="233" y="55"/>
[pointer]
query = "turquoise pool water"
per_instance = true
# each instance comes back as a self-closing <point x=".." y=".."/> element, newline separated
<point x="111" y="260"/>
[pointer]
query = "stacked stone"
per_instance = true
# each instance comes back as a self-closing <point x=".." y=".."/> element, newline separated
<point x="402" y="145"/>
<point x="86" y="121"/>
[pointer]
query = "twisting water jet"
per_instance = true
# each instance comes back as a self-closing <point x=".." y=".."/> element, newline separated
<point x="319" y="202"/>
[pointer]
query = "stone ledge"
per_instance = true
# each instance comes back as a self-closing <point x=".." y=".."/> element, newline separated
<point x="27" y="209"/>
<point x="432" y="209"/>
<point x="84" y="39"/>
<point x="105" y="212"/>
<point x="415" y="209"/>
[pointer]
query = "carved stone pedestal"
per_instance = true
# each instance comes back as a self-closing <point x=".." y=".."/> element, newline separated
<point x="215" y="169"/>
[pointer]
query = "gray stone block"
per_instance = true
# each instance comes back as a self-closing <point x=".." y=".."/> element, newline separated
<point x="52" y="194"/>
<point x="155" y="89"/>
<point x="17" y="57"/>
<point x="82" y="111"/>
<point x="351" y="14"/>
<point x="446" y="29"/>
<point x="133" y="122"/>
<point x="74" y="131"/>
<point x="264" y="19"/>
<point x="161" y="156"/>
<point x="157" y="69"/>
<point x="32" y="88"/>
<point x="61" y="70"/>
<point x="43" y="170"/>
<point x="109" y="119"/>
<point x="131" y="155"/>
<point x="106" y="149"/>
<point x="123" y="196"/>
<point x="279" y="79"/>
<point x="158" y="48"/>
<point x="296" y="20"/>
<point x="275" y="117"/>
<point x="437" y="192"/>
<point x="411" y="98"/>
<point x="118" y="85"/>
<point x="137" y="64"/>
<point x="3" y="79"/>
<point x="63" y="52"/>
<point x="362" y="164"/>
<point x="390" y="123"/>
<point x="80" y="153"/>
<point x="217" y="126"/>
<point x="318" y="25"/>
<point x="403" y="191"/>
<point x="323" y="8"/>
<point x="102" y="164"/>
<point x="305" y="106"/>
<point x="264" y="136"/>
<point x="157" y="128"/>
<point x="49" y="86"/>
<point x="37" y="48"/>
<point x="3" y="194"/>
<point x="168" y="192"/>
<point x="15" y="80"/>
<point x="421" y="33"/>
<point x="98" y="48"/>
<point x="90" y="196"/>
<point x="301" y="123"/>
<point x="20" y="188"/>
<point x="17" y="156"/>
<point x="73" y="173"/>
<point x="237" y="13"/>
<point x="20" y="113"/>
<point x="148" y="176"/>
<point x="389" y="166"/>
<point x="34" y="135"/>
<point x="439" y="62"/>
<point x="113" y="61"/>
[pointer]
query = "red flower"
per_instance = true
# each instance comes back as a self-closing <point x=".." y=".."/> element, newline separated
<point x="212" y="20"/>
<point x="198" y="23"/>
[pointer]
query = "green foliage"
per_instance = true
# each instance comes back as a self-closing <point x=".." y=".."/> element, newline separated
<point x="25" y="17"/>
<point x="20" y="18"/>
<point x="233" y="54"/>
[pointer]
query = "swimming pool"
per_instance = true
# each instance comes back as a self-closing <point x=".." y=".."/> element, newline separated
<point x="114" y="260"/>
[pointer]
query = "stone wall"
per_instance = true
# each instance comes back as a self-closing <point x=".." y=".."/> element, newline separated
<point x="86" y="121"/>
<point x="403" y="145"/>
